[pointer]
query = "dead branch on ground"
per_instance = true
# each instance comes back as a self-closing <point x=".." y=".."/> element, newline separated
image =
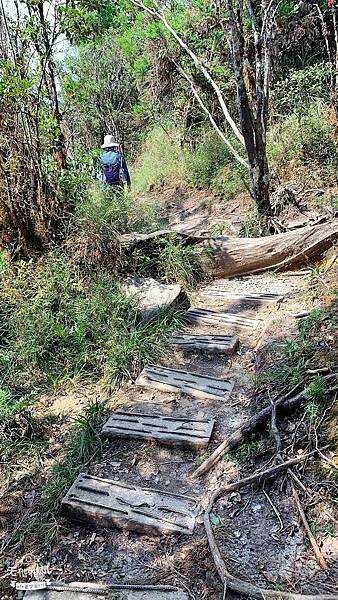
<point x="285" y="403"/>
<point x="236" y="584"/>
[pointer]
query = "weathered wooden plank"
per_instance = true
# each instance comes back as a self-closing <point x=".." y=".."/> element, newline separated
<point x="224" y="344"/>
<point x="175" y="380"/>
<point x="116" y="504"/>
<point x="97" y="591"/>
<point x="218" y="291"/>
<point x="176" y="431"/>
<point x="203" y="316"/>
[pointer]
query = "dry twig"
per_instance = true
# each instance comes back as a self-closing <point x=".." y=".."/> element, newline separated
<point x="285" y="403"/>
<point x="319" y="557"/>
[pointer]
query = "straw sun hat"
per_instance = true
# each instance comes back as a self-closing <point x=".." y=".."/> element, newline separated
<point x="109" y="142"/>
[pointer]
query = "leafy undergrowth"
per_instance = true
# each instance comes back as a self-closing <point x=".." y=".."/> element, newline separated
<point x="62" y="328"/>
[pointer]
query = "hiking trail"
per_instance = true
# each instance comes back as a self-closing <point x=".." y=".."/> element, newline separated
<point x="142" y="490"/>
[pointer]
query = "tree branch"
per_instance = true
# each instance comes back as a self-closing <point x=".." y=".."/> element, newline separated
<point x="211" y="119"/>
<point x="159" y="15"/>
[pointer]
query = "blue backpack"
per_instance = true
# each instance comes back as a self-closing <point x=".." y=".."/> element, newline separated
<point x="112" y="170"/>
<point x="112" y="173"/>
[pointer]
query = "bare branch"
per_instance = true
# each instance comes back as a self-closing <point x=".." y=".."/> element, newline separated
<point x="159" y="15"/>
<point x="211" y="119"/>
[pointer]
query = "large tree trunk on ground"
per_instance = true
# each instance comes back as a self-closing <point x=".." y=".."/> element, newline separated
<point x="226" y="256"/>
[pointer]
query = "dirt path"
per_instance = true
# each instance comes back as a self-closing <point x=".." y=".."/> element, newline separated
<point x="246" y="524"/>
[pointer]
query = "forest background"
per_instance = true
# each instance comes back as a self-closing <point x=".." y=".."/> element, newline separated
<point x="157" y="76"/>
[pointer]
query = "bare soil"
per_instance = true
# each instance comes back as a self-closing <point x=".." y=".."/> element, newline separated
<point x="259" y="534"/>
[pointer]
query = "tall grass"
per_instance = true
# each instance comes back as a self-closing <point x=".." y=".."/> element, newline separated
<point x="170" y="260"/>
<point x="108" y="213"/>
<point x="162" y="161"/>
<point x="304" y="137"/>
<point x="56" y="323"/>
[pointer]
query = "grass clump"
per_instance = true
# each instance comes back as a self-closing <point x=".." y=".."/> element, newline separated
<point x="85" y="441"/>
<point x="305" y="137"/>
<point x="59" y="324"/>
<point x="84" y="444"/>
<point x="170" y="260"/>
<point x="305" y="352"/>
<point x="110" y="212"/>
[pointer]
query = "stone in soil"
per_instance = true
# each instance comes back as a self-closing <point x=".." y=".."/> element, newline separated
<point x="153" y="296"/>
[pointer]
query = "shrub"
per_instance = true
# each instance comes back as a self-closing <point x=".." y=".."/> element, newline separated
<point x="211" y="165"/>
<point x="301" y="88"/>
<point x="306" y="139"/>
<point x="59" y="324"/>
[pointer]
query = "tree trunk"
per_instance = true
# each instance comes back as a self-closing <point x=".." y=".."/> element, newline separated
<point x="227" y="257"/>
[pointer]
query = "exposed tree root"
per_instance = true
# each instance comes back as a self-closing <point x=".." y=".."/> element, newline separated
<point x="285" y="403"/>
<point x="234" y="583"/>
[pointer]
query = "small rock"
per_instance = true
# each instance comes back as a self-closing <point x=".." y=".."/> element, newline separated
<point x="153" y="296"/>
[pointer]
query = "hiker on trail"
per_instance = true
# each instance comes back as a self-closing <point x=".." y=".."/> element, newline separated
<point x="114" y="170"/>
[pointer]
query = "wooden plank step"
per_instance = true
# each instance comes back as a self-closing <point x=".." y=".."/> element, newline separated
<point x="110" y="504"/>
<point x="81" y="590"/>
<point x="176" y="431"/>
<point x="202" y="316"/>
<point x="175" y="380"/>
<point x="224" y="344"/>
<point x="219" y="292"/>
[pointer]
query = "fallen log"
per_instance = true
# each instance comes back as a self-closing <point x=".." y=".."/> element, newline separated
<point x="227" y="256"/>
<point x="285" y="404"/>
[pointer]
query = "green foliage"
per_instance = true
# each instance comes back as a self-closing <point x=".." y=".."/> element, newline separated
<point x="59" y="324"/>
<point x="305" y="139"/>
<point x="160" y="161"/>
<point x="246" y="451"/>
<point x="108" y="212"/>
<point x="211" y="165"/>
<point x="170" y="260"/>
<point x="302" y="88"/>
<point x="207" y="160"/>
<point x="220" y="229"/>
<point x="132" y="348"/>
<point x="13" y="88"/>
<point x="311" y="324"/>
<point x="99" y="91"/>
<point x="288" y="8"/>
<point x="252" y="225"/>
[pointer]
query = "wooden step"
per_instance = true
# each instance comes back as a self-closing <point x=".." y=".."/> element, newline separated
<point x="176" y="431"/>
<point x="83" y="590"/>
<point x="110" y="504"/>
<point x="202" y="316"/>
<point x="175" y="380"/>
<point x="220" y="293"/>
<point x="224" y="344"/>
